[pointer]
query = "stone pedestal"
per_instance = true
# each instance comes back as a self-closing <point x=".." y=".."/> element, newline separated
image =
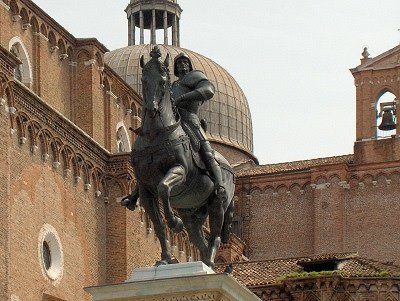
<point x="177" y="282"/>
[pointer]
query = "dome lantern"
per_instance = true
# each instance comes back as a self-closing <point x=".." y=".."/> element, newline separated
<point x="150" y="16"/>
<point x="227" y="113"/>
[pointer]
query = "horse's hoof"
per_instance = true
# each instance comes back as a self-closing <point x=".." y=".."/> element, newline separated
<point x="209" y="263"/>
<point x="178" y="226"/>
<point x="161" y="262"/>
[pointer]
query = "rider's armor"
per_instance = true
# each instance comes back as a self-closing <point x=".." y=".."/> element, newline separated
<point x="192" y="90"/>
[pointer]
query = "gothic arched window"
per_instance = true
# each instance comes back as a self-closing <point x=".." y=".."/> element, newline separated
<point x="123" y="140"/>
<point x="23" y="72"/>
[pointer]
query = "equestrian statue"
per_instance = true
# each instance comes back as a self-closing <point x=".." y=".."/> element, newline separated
<point x="174" y="163"/>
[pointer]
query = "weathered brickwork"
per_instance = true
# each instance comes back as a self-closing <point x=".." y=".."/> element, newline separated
<point x="331" y="288"/>
<point x="347" y="203"/>
<point x="356" y="211"/>
<point x="60" y="164"/>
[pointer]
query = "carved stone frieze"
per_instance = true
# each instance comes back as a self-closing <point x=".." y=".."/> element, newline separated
<point x="336" y="288"/>
<point x="41" y="112"/>
<point x="207" y="296"/>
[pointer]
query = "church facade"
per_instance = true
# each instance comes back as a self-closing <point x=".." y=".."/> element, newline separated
<point x="66" y="110"/>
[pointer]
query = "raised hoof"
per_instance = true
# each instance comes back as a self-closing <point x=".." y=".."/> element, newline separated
<point x="129" y="203"/>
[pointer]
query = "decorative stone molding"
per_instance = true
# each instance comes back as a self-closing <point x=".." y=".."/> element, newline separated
<point x="56" y="164"/>
<point x="45" y="157"/>
<point x="26" y="26"/>
<point x="22" y="140"/>
<point x="16" y="18"/>
<point x="112" y="94"/>
<point x="34" y="149"/>
<point x="4" y="5"/>
<point x="63" y="56"/>
<point x="42" y="36"/>
<point x="91" y="62"/>
<point x="67" y="172"/>
<point x="191" y="287"/>
<point x="11" y="110"/>
<point x="53" y="48"/>
<point x="344" y="184"/>
<point x="77" y="179"/>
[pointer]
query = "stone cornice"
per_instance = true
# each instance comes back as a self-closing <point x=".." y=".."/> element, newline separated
<point x="91" y="42"/>
<point x="121" y="83"/>
<point x="49" y="20"/>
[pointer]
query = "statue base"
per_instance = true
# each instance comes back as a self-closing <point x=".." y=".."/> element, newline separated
<point x="175" y="282"/>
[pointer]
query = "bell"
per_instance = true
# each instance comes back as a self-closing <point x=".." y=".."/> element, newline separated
<point x="388" y="122"/>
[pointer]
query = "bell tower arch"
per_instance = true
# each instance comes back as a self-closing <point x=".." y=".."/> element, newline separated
<point x="150" y="17"/>
<point x="377" y="82"/>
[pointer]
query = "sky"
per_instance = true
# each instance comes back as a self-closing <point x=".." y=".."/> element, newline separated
<point x="290" y="57"/>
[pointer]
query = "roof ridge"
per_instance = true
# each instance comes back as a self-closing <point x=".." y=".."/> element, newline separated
<point x="344" y="255"/>
<point x="368" y="261"/>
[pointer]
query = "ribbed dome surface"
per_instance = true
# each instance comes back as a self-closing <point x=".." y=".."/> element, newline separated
<point x="227" y="114"/>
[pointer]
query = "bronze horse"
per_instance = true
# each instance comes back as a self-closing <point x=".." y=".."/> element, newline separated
<point x="162" y="159"/>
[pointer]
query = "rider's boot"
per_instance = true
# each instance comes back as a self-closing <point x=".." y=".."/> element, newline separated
<point x="215" y="169"/>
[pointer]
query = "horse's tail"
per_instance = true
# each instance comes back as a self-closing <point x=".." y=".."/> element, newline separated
<point x="227" y="225"/>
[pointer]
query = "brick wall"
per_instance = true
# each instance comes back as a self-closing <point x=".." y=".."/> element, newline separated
<point x="4" y="204"/>
<point x="353" y="208"/>
<point x="41" y="194"/>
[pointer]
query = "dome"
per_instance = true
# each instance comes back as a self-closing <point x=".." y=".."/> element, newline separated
<point x="227" y="113"/>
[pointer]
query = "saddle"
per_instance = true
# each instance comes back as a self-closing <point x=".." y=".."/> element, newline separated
<point x="195" y="145"/>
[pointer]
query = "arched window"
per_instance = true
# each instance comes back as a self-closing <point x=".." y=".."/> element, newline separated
<point x="123" y="139"/>
<point x="23" y="72"/>
<point x="386" y="115"/>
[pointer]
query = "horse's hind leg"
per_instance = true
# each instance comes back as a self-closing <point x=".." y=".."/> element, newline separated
<point x="152" y="209"/>
<point x="194" y="220"/>
<point x="175" y="176"/>
<point x="216" y="212"/>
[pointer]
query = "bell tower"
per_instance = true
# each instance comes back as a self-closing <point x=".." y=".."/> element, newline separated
<point x="153" y="16"/>
<point x="377" y="82"/>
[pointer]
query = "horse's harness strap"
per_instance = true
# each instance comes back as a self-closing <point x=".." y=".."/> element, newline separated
<point x="171" y="127"/>
<point x="166" y="146"/>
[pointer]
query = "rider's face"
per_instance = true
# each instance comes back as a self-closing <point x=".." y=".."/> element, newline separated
<point x="182" y="66"/>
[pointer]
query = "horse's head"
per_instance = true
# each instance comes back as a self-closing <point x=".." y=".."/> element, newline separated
<point x="155" y="81"/>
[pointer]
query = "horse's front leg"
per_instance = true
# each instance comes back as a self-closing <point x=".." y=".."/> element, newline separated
<point x="175" y="176"/>
<point x="151" y="207"/>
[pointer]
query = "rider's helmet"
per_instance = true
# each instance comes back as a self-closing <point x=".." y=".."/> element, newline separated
<point x="177" y="58"/>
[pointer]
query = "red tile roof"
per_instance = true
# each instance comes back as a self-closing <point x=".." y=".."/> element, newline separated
<point x="269" y="272"/>
<point x="292" y="166"/>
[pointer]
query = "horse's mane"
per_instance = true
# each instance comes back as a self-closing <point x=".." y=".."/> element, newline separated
<point x="161" y="67"/>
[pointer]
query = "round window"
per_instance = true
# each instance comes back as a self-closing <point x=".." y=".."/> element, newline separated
<point x="46" y="253"/>
<point x="50" y="253"/>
